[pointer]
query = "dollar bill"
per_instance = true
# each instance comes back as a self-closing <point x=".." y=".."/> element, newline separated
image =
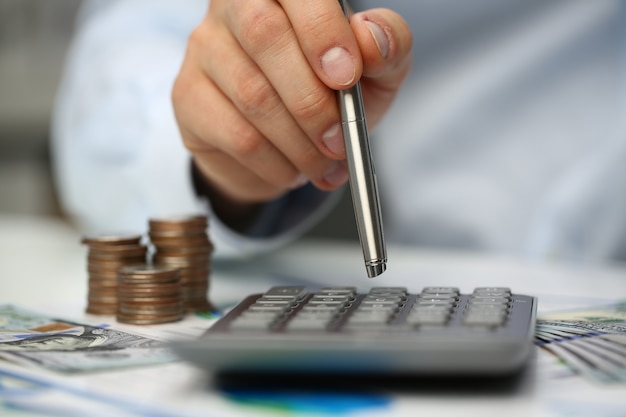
<point x="65" y="346"/>
<point x="591" y="342"/>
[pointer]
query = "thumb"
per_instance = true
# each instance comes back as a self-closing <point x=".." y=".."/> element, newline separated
<point x="385" y="41"/>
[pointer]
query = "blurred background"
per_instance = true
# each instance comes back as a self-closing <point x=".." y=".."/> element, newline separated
<point x="34" y="37"/>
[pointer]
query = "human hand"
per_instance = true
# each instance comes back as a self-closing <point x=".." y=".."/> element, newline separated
<point x="255" y="98"/>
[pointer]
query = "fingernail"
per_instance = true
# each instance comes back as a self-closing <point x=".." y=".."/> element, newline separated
<point x="300" y="181"/>
<point x="337" y="173"/>
<point x="333" y="139"/>
<point x="380" y="37"/>
<point x="338" y="64"/>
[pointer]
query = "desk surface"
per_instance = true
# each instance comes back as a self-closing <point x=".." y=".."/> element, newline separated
<point x="42" y="267"/>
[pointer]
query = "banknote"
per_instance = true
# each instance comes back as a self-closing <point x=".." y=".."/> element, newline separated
<point x="591" y="342"/>
<point x="65" y="346"/>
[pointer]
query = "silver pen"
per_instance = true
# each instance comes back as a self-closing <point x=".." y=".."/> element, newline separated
<point x="362" y="177"/>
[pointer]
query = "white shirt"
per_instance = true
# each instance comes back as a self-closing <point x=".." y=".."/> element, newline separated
<point x="507" y="137"/>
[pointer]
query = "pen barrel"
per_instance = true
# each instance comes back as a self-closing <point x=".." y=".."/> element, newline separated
<point x="363" y="184"/>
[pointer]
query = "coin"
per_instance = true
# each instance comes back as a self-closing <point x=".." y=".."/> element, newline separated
<point x="138" y="274"/>
<point x="111" y="240"/>
<point x="147" y="320"/>
<point x="183" y="243"/>
<point x="106" y="255"/>
<point x="117" y="251"/>
<point x="149" y="294"/>
<point x="175" y="240"/>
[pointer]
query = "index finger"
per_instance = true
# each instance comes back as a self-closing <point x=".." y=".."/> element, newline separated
<point x="327" y="40"/>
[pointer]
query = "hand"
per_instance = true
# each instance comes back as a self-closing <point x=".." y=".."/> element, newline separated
<point x="255" y="98"/>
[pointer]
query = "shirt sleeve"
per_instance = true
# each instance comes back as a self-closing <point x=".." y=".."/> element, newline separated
<point x="117" y="153"/>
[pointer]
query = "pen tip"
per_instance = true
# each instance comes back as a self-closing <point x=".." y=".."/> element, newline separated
<point x="375" y="270"/>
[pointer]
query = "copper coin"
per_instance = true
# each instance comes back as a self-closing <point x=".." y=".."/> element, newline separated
<point x="152" y="310"/>
<point x="108" y="240"/>
<point x="118" y="251"/>
<point x="163" y="302"/>
<point x="146" y="320"/>
<point x="95" y="287"/>
<point x="151" y="291"/>
<point x="158" y="280"/>
<point x="176" y="239"/>
<point x="172" y="299"/>
<point x="107" y="298"/>
<point x="102" y="299"/>
<point x="148" y="271"/>
<point x="182" y="261"/>
<point x="110" y="263"/>
<point x="98" y="282"/>
<point x="176" y="223"/>
<point x="170" y="304"/>
<point x="186" y="238"/>
<point x="181" y="250"/>
<point x="145" y="300"/>
<point x="103" y="274"/>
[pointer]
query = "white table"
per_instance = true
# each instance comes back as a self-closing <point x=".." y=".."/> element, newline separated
<point x="43" y="268"/>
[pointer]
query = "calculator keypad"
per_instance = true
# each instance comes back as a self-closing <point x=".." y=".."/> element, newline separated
<point x="387" y="331"/>
<point x="292" y="309"/>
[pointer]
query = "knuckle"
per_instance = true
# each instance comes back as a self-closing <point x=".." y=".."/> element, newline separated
<point x="245" y="141"/>
<point x="254" y="95"/>
<point x="261" y="25"/>
<point x="312" y="104"/>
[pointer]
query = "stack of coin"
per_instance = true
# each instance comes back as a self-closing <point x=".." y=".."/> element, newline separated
<point x="183" y="243"/>
<point x="149" y="294"/>
<point x="107" y="254"/>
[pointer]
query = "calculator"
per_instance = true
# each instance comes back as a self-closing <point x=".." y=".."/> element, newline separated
<point x="386" y="330"/>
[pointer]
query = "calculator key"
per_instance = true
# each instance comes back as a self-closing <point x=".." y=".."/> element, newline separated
<point x="321" y="307"/>
<point x="435" y="301"/>
<point x="492" y="291"/>
<point x="395" y="290"/>
<point x="260" y="304"/>
<point x="377" y="307"/>
<point x="486" y="297"/>
<point x="431" y="309"/>
<point x="324" y="306"/>
<point x="264" y="307"/>
<point x="381" y="300"/>
<point x="285" y="292"/>
<point x="300" y="324"/>
<point x="442" y="296"/>
<point x="495" y="302"/>
<point x="317" y="299"/>
<point x="487" y="306"/>
<point x="440" y="290"/>
<point x="274" y="302"/>
<point x="333" y="291"/>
